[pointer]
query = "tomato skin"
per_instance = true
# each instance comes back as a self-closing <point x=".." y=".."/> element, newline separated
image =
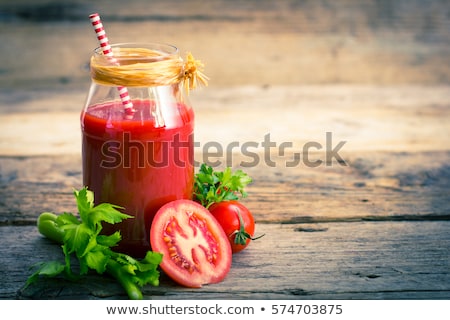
<point x="226" y="213"/>
<point x="195" y="248"/>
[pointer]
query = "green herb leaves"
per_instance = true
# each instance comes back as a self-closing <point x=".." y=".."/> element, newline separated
<point x="216" y="186"/>
<point x="82" y="238"/>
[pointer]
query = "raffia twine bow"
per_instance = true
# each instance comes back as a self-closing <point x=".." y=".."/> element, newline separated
<point x="140" y="67"/>
<point x="193" y="73"/>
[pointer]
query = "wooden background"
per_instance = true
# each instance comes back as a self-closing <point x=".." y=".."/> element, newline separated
<point x="376" y="74"/>
<point x="47" y="43"/>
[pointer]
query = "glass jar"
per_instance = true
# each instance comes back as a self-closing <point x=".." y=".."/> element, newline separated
<point x="137" y="154"/>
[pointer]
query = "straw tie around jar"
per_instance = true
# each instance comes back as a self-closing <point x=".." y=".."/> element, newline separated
<point x="149" y="69"/>
<point x="193" y="73"/>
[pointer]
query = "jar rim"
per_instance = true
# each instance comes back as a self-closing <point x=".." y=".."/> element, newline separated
<point x="164" y="51"/>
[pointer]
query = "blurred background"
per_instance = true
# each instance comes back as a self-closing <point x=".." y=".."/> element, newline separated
<point x="47" y="43"/>
<point x="308" y="46"/>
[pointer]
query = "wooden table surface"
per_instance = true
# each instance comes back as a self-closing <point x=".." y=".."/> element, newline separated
<point x="372" y="224"/>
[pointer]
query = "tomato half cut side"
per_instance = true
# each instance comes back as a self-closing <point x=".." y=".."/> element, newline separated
<point x="195" y="248"/>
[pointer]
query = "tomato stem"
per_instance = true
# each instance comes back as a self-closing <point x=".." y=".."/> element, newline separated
<point x="241" y="236"/>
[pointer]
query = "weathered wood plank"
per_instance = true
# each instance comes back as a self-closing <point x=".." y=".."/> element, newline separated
<point x="241" y="42"/>
<point x="361" y="260"/>
<point x="373" y="185"/>
<point x="368" y="117"/>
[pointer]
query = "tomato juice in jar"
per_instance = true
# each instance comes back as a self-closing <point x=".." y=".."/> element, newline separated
<point x="139" y="161"/>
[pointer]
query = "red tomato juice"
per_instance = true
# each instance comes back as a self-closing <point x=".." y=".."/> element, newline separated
<point x="137" y="164"/>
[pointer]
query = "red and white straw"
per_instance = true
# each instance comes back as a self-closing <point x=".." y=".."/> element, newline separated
<point x="107" y="51"/>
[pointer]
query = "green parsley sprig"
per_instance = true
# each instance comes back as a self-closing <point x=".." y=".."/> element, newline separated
<point x="80" y="237"/>
<point x="216" y="186"/>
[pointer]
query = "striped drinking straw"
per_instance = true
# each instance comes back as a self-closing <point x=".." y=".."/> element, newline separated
<point x="107" y="51"/>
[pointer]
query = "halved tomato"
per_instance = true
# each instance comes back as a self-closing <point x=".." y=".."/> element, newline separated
<point x="196" y="249"/>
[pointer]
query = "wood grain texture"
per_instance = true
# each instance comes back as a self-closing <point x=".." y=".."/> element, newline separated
<point x="374" y="186"/>
<point x="360" y="260"/>
<point x="241" y="42"/>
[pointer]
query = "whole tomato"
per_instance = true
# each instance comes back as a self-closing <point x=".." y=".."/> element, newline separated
<point x="237" y="222"/>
